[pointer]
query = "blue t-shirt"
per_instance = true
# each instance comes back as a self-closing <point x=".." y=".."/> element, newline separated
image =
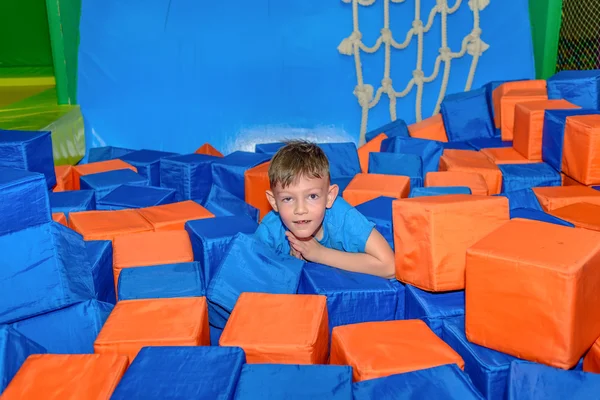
<point x="344" y="229"/>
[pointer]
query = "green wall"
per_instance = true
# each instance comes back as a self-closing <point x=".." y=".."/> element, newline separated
<point x="545" y="18"/>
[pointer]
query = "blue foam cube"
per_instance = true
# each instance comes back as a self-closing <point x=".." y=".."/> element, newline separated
<point x="100" y="255"/>
<point x="133" y="196"/>
<point x="446" y="382"/>
<point x="523" y="198"/>
<point x="525" y="176"/>
<point x="228" y="172"/>
<point x="178" y="372"/>
<point x="553" y="134"/>
<point x="223" y="204"/>
<point x="291" y="382"/>
<point x="14" y="350"/>
<point x="104" y="182"/>
<point x="106" y="153"/>
<point x="31" y="151"/>
<point x="161" y="281"/>
<point x="379" y="212"/>
<point x="581" y="88"/>
<point x="430" y="151"/>
<point x="249" y="266"/>
<point x="147" y="163"/>
<point x="343" y="159"/>
<point x="190" y="175"/>
<point x="392" y="129"/>
<point x="438" y="191"/>
<point x="458" y="145"/>
<point x="23" y="200"/>
<point x="487" y="368"/>
<point x="434" y="308"/>
<point x="72" y="201"/>
<point x="467" y="116"/>
<point x="489" y="143"/>
<point x="538" y="215"/>
<point x="71" y="330"/>
<point x="351" y="297"/>
<point x="489" y="91"/>
<point x="268" y="148"/>
<point x="398" y="164"/>
<point x="44" y="268"/>
<point x="211" y="237"/>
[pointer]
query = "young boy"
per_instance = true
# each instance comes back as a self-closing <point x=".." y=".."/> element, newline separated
<point x="310" y="222"/>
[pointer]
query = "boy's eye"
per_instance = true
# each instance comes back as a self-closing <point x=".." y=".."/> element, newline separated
<point x="313" y="196"/>
<point x="286" y="199"/>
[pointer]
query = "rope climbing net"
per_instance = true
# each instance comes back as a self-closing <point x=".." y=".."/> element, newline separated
<point x="353" y="45"/>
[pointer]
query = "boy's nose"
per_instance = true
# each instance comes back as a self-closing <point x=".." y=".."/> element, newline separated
<point x="300" y="208"/>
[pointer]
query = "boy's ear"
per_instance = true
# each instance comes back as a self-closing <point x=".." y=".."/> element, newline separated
<point x="271" y="199"/>
<point x="332" y="194"/>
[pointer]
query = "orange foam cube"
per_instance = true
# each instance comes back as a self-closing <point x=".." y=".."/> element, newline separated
<point x="591" y="362"/>
<point x="377" y="349"/>
<point x="582" y="215"/>
<point x="256" y="182"/>
<point x="506" y="87"/>
<point x="568" y="181"/>
<point x="529" y="124"/>
<point x="134" y="324"/>
<point x="150" y="248"/>
<point x="372" y="146"/>
<point x="472" y="180"/>
<point x="279" y="328"/>
<point x="505" y="155"/>
<point x="173" y="216"/>
<point x="209" y="150"/>
<point x="64" y="178"/>
<point x="554" y="197"/>
<point x="508" y="103"/>
<point x="432" y="234"/>
<point x="473" y="161"/>
<point x="364" y="187"/>
<point x="67" y="377"/>
<point x="61" y="218"/>
<point x="97" y="167"/>
<point x="106" y="225"/>
<point x="581" y="149"/>
<point x="531" y="291"/>
<point x="431" y="128"/>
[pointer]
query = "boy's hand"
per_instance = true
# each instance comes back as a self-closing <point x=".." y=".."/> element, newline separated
<point x="309" y="249"/>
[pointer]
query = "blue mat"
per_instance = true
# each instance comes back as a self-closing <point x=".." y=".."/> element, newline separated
<point x="14" y="350"/>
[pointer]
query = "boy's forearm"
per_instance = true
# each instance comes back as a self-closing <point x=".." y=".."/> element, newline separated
<point x="354" y="262"/>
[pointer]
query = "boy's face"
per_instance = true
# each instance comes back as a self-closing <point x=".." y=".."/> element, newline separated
<point x="302" y="205"/>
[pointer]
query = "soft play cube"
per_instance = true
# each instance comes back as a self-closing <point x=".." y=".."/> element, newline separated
<point x="31" y="151"/>
<point x="377" y="349"/>
<point x="582" y="215"/>
<point x="132" y="196"/>
<point x="14" y="350"/>
<point x="438" y="191"/>
<point x="591" y="362"/>
<point x="525" y="176"/>
<point x="351" y="297"/>
<point x="499" y="89"/>
<point x="474" y="162"/>
<point x="554" y="133"/>
<point x="529" y="126"/>
<point x="67" y="377"/>
<point x="489" y="143"/>
<point x="173" y="216"/>
<point x="150" y="248"/>
<point x="551" y="198"/>
<point x="530" y="291"/>
<point x="428" y="150"/>
<point x="279" y="328"/>
<point x="44" y="268"/>
<point x="147" y="163"/>
<point x="433" y="308"/>
<point x="343" y="159"/>
<point x="427" y="256"/>
<point x="579" y="87"/>
<point x="505" y="155"/>
<point x="60" y="218"/>
<point x="444" y="382"/>
<point x="364" y="151"/>
<point x="161" y="281"/>
<point x="190" y="175"/>
<point x="537" y="215"/>
<point x="487" y="368"/>
<point x="256" y="183"/>
<point x="100" y="256"/>
<point x="106" y="153"/>
<point x="294" y="382"/>
<point x="268" y="148"/>
<point x="70" y="330"/>
<point x="72" y="201"/>
<point x="173" y="372"/>
<point x="391" y="129"/>
<point x="466" y="115"/>
<point x="580" y="158"/>
<point x="444" y="179"/>
<point x="458" y="146"/>
<point x="408" y="165"/>
<point x="96" y="168"/>
<point x="208" y="149"/>
<point x="102" y="183"/>
<point x="365" y="187"/>
<point x="135" y="324"/>
<point x="210" y="239"/>
<point x="221" y="203"/>
<point x="64" y="178"/>
<point x="431" y="128"/>
<point x="524" y="198"/>
<point x="509" y="102"/>
<point x="23" y="200"/>
<point x="379" y="212"/>
<point x="228" y="172"/>
<point x="106" y="225"/>
<point x="249" y="265"/>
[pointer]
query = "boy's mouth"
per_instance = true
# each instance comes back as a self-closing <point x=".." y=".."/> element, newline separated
<point x="302" y="221"/>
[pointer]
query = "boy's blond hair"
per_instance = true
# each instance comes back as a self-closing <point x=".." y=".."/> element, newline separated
<point x="297" y="158"/>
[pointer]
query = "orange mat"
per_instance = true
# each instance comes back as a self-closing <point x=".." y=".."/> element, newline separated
<point x="256" y="182"/>
<point x="432" y="234"/>
<point x="364" y="151"/>
<point x="106" y="225"/>
<point x="377" y="349"/>
<point x="554" y="197"/>
<point x="591" y="362"/>
<point x="169" y="217"/>
<point x="473" y="161"/>
<point x="530" y="290"/>
<point x="581" y="150"/>
<point x="279" y="328"/>
<point x="97" y="167"/>
<point x="364" y="187"/>
<point x="431" y="128"/>
<point x="505" y="155"/>
<point x="472" y="180"/>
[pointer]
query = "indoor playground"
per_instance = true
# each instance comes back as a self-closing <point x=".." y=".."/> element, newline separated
<point x="136" y="140"/>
